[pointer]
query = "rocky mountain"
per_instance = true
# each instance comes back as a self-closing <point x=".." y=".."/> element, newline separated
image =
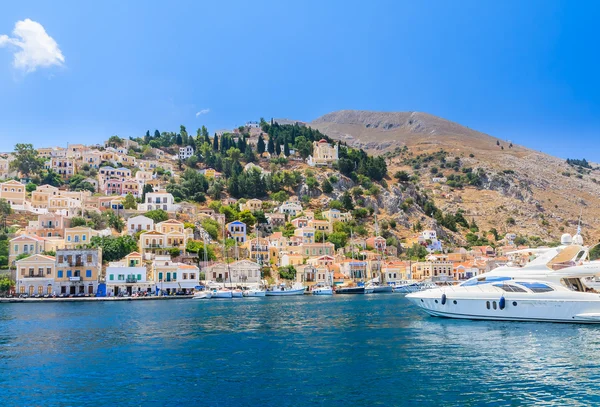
<point x="518" y="189"/>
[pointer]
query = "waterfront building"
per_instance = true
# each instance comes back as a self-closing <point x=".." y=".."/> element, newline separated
<point x="243" y="272"/>
<point x="35" y="275"/>
<point x="434" y="270"/>
<point x="77" y="270"/>
<point x="129" y="275"/>
<point x="171" y="277"/>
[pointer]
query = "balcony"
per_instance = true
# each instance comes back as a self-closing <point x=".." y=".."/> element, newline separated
<point x="154" y="246"/>
<point x="37" y="275"/>
<point x="131" y="280"/>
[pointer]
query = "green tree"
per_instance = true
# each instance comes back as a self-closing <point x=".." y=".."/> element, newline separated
<point x="327" y="187"/>
<point x="271" y="146"/>
<point x="339" y="239"/>
<point x="157" y="215"/>
<point x="26" y="160"/>
<point x="247" y="217"/>
<point x="78" y="221"/>
<point x="260" y="145"/>
<point x="347" y="201"/>
<point x="115" y="221"/>
<point x="114" y="248"/>
<point x="6" y="284"/>
<point x="129" y="202"/>
<point x="51" y="177"/>
<point x="216" y="143"/>
<point x="287" y="272"/>
<point x="147" y="188"/>
<point x="197" y="247"/>
<point x="5" y="211"/>
<point x="30" y="187"/>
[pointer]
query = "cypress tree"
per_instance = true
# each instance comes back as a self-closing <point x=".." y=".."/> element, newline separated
<point x="216" y="143"/>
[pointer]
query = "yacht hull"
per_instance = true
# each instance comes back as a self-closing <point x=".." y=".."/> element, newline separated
<point x="254" y="293"/>
<point x="299" y="291"/>
<point x="222" y="294"/>
<point x="350" y="290"/>
<point x="496" y="305"/>
<point x="323" y="291"/>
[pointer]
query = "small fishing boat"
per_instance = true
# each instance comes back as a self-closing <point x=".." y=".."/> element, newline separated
<point x="283" y="290"/>
<point x="350" y="290"/>
<point x="221" y="293"/>
<point x="321" y="290"/>
<point x="202" y="294"/>
<point x="254" y="292"/>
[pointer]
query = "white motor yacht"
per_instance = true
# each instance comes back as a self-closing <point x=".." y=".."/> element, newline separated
<point x="283" y="290"/>
<point x="510" y="300"/>
<point x="237" y="293"/>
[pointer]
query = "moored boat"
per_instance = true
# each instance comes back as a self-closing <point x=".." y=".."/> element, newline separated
<point x="283" y="290"/>
<point x="221" y="293"/>
<point x="510" y="300"/>
<point x="350" y="290"/>
<point x="254" y="292"/>
<point x="202" y="295"/>
<point x="321" y="290"/>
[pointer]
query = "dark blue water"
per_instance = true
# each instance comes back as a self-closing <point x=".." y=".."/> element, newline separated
<point x="351" y="351"/>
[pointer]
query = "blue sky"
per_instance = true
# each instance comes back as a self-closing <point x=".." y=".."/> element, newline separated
<point x="526" y="71"/>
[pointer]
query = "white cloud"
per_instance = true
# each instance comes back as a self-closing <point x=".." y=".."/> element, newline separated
<point x="35" y="47"/>
<point x="203" y="111"/>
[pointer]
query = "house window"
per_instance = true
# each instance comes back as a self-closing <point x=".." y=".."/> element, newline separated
<point x="192" y="276"/>
<point x="68" y="238"/>
<point x="185" y="276"/>
<point x="60" y="273"/>
<point x="88" y="273"/>
<point x="89" y="258"/>
<point x="69" y="273"/>
<point x="139" y="276"/>
<point x="121" y="277"/>
<point x="160" y="276"/>
<point x="111" y="277"/>
<point x="174" y="276"/>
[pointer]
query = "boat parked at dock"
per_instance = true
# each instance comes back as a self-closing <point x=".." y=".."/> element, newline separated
<point x="283" y="290"/>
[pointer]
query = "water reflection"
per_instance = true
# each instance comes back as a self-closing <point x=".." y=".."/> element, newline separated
<point x="287" y="351"/>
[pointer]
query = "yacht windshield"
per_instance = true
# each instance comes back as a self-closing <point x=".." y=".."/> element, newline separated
<point x="536" y="287"/>
<point x="510" y="288"/>
<point x="484" y="280"/>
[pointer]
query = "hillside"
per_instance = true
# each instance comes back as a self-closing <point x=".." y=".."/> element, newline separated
<point x="542" y="194"/>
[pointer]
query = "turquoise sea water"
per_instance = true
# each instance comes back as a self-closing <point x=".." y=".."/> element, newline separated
<point x="295" y="351"/>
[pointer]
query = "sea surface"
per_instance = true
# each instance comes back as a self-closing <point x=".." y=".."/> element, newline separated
<point x="369" y="350"/>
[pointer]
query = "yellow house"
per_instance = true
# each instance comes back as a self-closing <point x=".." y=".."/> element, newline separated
<point x="251" y="205"/>
<point x="77" y="271"/>
<point x="35" y="275"/>
<point x="13" y="191"/>
<point x="78" y="236"/>
<point x="25" y="244"/>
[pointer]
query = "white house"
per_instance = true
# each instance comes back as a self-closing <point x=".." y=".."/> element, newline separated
<point x="158" y="200"/>
<point x="172" y="277"/>
<point x="290" y="208"/>
<point x="138" y="223"/>
<point x="121" y="278"/>
<point x="186" y="152"/>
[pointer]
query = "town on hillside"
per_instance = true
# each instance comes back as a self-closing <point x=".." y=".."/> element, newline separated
<point x="264" y="204"/>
